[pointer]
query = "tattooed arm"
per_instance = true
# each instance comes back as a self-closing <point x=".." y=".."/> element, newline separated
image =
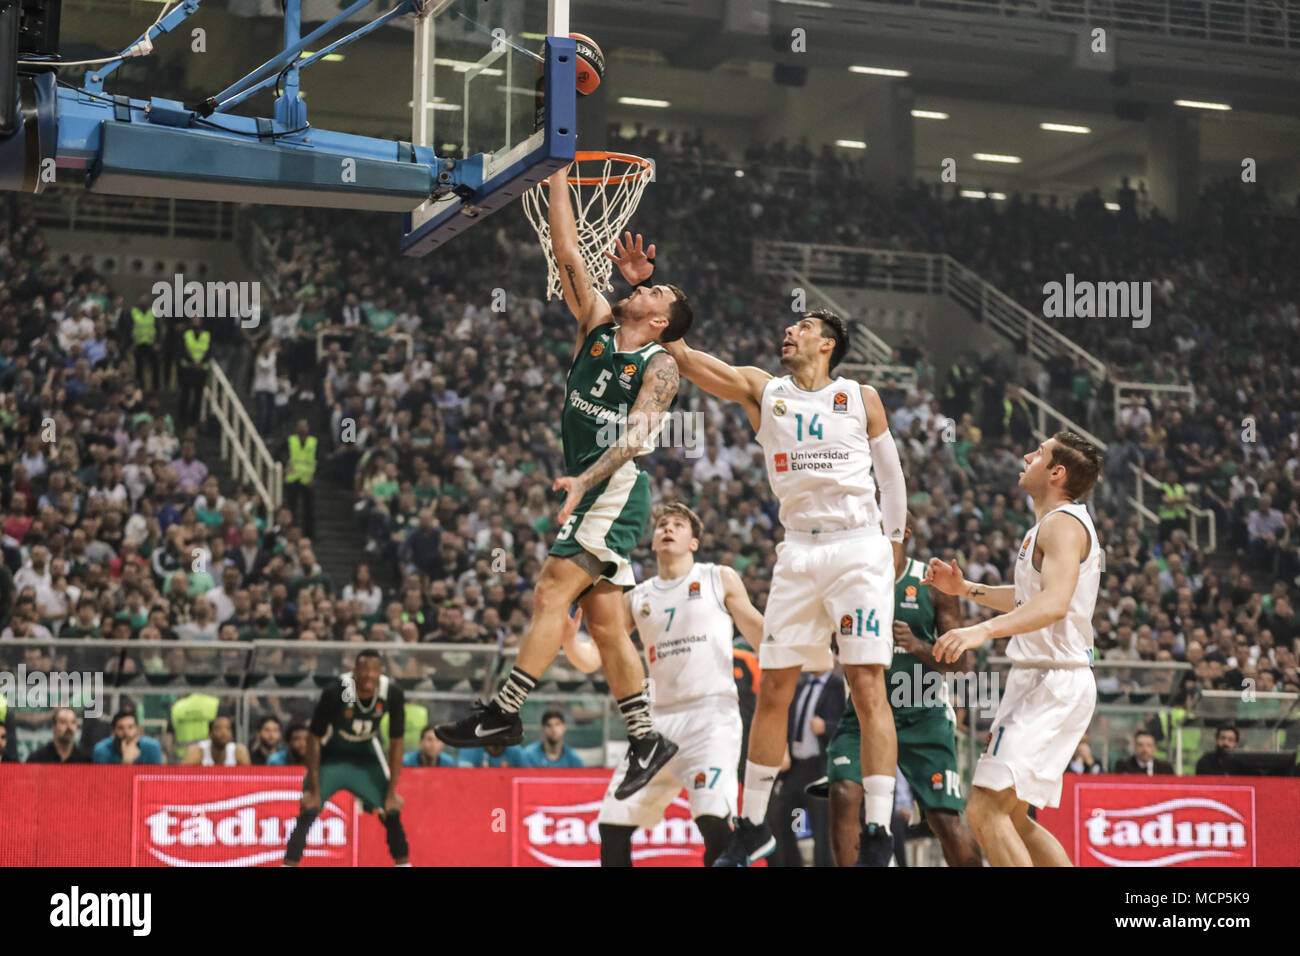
<point x="949" y="580"/>
<point x="658" y="388"/>
<point x="587" y="305"/>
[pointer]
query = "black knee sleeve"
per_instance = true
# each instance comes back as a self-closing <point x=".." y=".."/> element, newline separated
<point x="298" y="838"/>
<point x="397" y="845"/>
<point x="717" y="833"/>
<point x="616" y="845"/>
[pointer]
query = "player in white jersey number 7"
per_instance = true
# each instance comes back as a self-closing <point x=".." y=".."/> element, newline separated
<point x="827" y="446"/>
<point x="686" y="616"/>
<point x="1050" y="694"/>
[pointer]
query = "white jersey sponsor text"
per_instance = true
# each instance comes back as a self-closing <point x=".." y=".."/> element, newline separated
<point x="818" y="457"/>
<point x="686" y="632"/>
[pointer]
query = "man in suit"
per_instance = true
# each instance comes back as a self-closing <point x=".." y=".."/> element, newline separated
<point x="818" y="703"/>
<point x="1144" y="758"/>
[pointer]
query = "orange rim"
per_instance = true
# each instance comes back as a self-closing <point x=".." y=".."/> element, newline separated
<point x="640" y="166"/>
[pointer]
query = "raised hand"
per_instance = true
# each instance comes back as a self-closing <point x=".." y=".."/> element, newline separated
<point x="947" y="578"/>
<point x="636" y="264"/>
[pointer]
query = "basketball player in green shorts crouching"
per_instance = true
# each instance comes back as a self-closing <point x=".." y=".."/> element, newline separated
<point x="927" y="742"/>
<point x="344" y="753"/>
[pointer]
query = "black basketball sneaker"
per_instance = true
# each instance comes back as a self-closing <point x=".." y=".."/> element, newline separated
<point x="486" y="724"/>
<point x="875" y="846"/>
<point x="646" y="756"/>
<point x="749" y="844"/>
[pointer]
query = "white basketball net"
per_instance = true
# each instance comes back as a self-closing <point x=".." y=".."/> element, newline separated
<point x="604" y="189"/>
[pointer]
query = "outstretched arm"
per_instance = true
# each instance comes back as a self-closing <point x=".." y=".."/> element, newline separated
<point x="587" y="305"/>
<point x="1064" y="542"/>
<point x="658" y="389"/>
<point x="948" y="579"/>
<point x="743" y="385"/>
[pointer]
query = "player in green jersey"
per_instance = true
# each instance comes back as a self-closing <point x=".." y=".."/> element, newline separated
<point x="620" y="385"/>
<point x="344" y="753"/>
<point x="924" y="722"/>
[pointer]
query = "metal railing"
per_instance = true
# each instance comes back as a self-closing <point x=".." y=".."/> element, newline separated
<point x="1046" y="413"/>
<point x="879" y="375"/>
<point x="925" y="273"/>
<point x="1195" y="514"/>
<point x="258" y="676"/>
<point x="867" y="346"/>
<point x="241" y="442"/>
<point x="1266" y="23"/>
<point x="74" y="209"/>
<point x="1125" y="392"/>
<point x="1012" y="319"/>
<point x="922" y="273"/>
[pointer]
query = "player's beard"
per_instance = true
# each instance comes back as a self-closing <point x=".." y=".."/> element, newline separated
<point x="618" y="311"/>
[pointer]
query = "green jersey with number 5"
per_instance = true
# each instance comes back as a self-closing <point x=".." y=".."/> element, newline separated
<point x="601" y="388"/>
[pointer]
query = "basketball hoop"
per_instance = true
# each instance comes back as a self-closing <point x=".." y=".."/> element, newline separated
<point x="604" y="194"/>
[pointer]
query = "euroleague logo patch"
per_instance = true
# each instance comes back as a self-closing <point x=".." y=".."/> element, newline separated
<point x="625" y="379"/>
<point x="841" y="402"/>
<point x="846" y="624"/>
<point x="936" y="781"/>
<point x="693" y="592"/>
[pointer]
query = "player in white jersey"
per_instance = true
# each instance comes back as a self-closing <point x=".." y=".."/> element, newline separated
<point x="827" y="446"/>
<point x="1050" y="694"/>
<point x="686" y="616"/>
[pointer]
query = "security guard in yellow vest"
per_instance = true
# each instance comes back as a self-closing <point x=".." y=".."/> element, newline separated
<point x="144" y="342"/>
<point x="1173" y="504"/>
<point x="417" y="719"/>
<point x="298" y="475"/>
<point x="190" y="718"/>
<point x="196" y="344"/>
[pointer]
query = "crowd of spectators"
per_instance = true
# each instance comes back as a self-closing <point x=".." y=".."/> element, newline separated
<point x="438" y="398"/>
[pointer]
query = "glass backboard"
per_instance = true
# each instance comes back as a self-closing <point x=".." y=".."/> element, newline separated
<point x="479" y="102"/>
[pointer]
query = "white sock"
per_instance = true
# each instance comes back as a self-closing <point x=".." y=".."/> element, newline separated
<point x="879" y="803"/>
<point x="758" y="791"/>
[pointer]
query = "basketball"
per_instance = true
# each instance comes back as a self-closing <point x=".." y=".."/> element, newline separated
<point x="591" y="64"/>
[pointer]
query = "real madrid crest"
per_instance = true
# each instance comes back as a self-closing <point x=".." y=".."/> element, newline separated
<point x="645" y="609"/>
<point x="779" y="407"/>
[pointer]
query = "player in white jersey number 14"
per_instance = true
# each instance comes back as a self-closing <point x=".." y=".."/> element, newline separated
<point x="827" y="447"/>
<point x="685" y="616"/>
<point x="1050" y="694"/>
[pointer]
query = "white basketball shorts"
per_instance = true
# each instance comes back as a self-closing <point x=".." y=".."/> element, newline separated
<point x="708" y="737"/>
<point x="1041" y="718"/>
<point x="838" y="584"/>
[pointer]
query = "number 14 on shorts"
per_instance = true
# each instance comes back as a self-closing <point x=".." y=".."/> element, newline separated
<point x="858" y="625"/>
